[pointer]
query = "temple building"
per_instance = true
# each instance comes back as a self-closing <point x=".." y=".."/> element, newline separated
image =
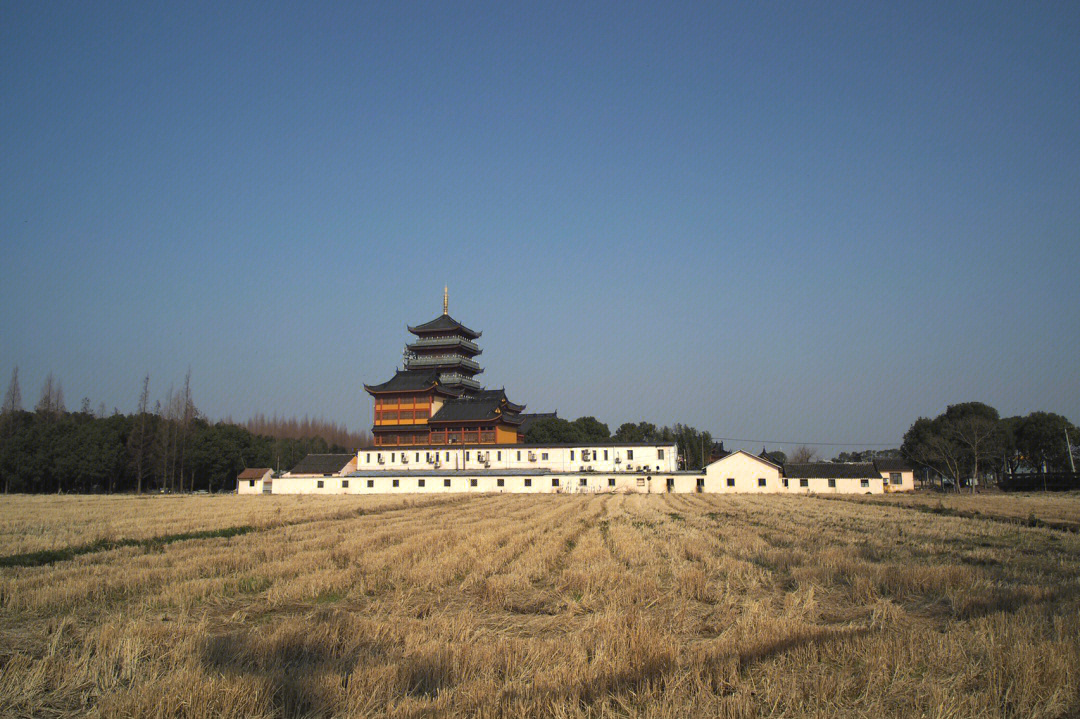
<point x="436" y="400"/>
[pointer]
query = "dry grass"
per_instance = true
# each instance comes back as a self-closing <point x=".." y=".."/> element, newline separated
<point x="1057" y="509"/>
<point x="32" y="523"/>
<point x="525" y="605"/>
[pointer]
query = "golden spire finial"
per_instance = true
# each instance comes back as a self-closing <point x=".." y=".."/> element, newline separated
<point x="445" y="300"/>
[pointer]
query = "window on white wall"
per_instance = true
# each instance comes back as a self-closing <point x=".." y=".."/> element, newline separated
<point x="864" y="482"/>
<point x="629" y="454"/>
<point x="344" y="484"/>
<point x="319" y="484"/>
<point x="761" y="482"/>
<point x="804" y="482"/>
<point x="659" y="454"/>
<point x="832" y="482"/>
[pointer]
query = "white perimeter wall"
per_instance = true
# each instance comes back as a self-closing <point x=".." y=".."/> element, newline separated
<point x="601" y="458"/>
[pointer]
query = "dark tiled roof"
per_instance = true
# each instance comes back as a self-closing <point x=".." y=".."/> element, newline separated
<point x="527" y="420"/>
<point x="322" y="463"/>
<point x="254" y="473"/>
<point x="411" y="380"/>
<point x="444" y="323"/>
<point x="832" y="470"/>
<point x="480" y="406"/>
<point x="892" y="464"/>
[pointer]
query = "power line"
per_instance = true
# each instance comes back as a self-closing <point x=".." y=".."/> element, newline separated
<point x="814" y="444"/>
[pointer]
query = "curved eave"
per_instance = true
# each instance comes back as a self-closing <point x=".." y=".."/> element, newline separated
<point x="419" y="349"/>
<point x="452" y="326"/>
<point x="440" y="389"/>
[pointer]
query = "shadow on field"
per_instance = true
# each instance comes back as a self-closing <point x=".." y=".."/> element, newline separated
<point x="290" y="668"/>
<point x="308" y="672"/>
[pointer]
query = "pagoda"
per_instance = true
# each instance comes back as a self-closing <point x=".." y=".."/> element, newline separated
<point x="436" y="400"/>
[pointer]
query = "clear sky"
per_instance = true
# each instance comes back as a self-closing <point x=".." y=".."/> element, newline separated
<point x="792" y="221"/>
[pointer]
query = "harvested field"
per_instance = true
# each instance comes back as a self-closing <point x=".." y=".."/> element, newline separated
<point x="1058" y="510"/>
<point x="538" y="605"/>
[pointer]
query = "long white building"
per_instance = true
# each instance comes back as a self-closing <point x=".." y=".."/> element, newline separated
<point x="577" y="468"/>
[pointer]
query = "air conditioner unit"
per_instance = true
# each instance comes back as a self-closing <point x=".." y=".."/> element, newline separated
<point x="532" y="456"/>
<point x="404" y="458"/>
<point x="486" y="463"/>
<point x="584" y="455"/>
<point x="437" y="463"/>
<point x="618" y="460"/>
<point x="381" y="460"/>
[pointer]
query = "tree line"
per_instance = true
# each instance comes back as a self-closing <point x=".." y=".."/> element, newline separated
<point x="971" y="440"/>
<point x="167" y="447"/>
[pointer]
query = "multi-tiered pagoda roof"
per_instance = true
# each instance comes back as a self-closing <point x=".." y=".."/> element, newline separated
<point x="447" y="346"/>
<point x="436" y="399"/>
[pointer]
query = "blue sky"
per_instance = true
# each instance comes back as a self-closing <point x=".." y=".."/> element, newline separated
<point x="770" y="220"/>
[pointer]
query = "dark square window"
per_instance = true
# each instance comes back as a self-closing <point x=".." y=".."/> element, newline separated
<point x="701" y="481"/>
<point x="629" y="454"/>
<point x="864" y="483"/>
<point x="731" y="481"/>
<point x="611" y="482"/>
<point x="420" y="483"/>
<point x="832" y="482"/>
<point x="500" y="482"/>
<point x="543" y="455"/>
<point x="396" y="483"/>
<point x="785" y="482"/>
<point x="446" y="483"/>
<point x="555" y="482"/>
<point x="528" y="482"/>
<point x="804" y="482"/>
<point x="583" y="482"/>
<point x="761" y="482"/>
<point x="344" y="484"/>
<point x="251" y="482"/>
<point x="659" y="454"/>
<point x="472" y="482"/>
<point x="319" y="484"/>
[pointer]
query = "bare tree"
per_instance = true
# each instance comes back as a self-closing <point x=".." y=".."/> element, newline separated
<point x="802" y="454"/>
<point x="13" y="396"/>
<point x="51" y="402"/>
<point x="139" y="441"/>
<point x="187" y="416"/>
